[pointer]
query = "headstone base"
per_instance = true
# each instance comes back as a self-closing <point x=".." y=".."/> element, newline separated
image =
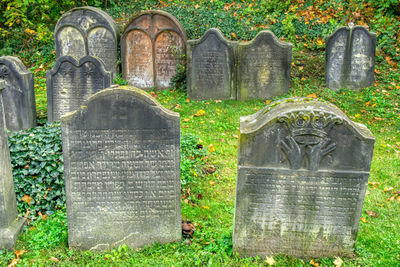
<point x="9" y="235"/>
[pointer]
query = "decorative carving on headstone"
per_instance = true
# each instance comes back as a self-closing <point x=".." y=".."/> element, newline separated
<point x="211" y="67"/>
<point x="70" y="82"/>
<point x="10" y="224"/>
<point x="84" y="31"/>
<point x="350" y="58"/>
<point x="122" y="171"/>
<point x="263" y="67"/>
<point x="303" y="170"/>
<point x="152" y="45"/>
<point x="18" y="96"/>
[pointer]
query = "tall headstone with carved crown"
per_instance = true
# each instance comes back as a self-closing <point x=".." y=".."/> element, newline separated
<point x="88" y="31"/>
<point x="18" y="95"/>
<point x="303" y="169"/>
<point x="10" y="224"/>
<point x="122" y="172"/>
<point x="152" y="46"/>
<point x="350" y="58"/>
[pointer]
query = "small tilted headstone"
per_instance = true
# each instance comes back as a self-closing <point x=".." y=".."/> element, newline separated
<point x="10" y="224"/>
<point x="122" y="171"/>
<point x="350" y="58"/>
<point x="263" y="67"/>
<point x="152" y="45"/>
<point x="70" y="82"/>
<point x="84" y="31"/>
<point x="303" y="169"/>
<point x="211" y="67"/>
<point x="18" y="95"/>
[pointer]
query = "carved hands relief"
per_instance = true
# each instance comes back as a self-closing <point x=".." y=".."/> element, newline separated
<point x="307" y="143"/>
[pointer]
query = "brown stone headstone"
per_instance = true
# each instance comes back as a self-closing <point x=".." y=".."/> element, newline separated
<point x="151" y="47"/>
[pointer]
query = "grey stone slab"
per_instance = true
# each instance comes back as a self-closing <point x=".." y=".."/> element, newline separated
<point x="303" y="169"/>
<point x="10" y="224"/>
<point x="263" y="67"/>
<point x="152" y="45"/>
<point x="72" y="81"/>
<point x="122" y="171"/>
<point x="211" y="67"/>
<point x="350" y="58"/>
<point x="84" y="31"/>
<point x="19" y="95"/>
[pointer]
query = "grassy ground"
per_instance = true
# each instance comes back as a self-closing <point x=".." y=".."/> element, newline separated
<point x="208" y="200"/>
<point x="209" y="203"/>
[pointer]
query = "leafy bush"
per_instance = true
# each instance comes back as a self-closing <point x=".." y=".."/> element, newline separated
<point x="192" y="155"/>
<point x="38" y="170"/>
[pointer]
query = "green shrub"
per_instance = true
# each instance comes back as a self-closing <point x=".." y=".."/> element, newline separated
<point x="36" y="158"/>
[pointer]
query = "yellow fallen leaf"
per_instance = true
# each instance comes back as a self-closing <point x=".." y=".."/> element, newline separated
<point x="270" y="260"/>
<point x="233" y="35"/>
<point x="364" y="220"/>
<point x="387" y="189"/>
<point x="313" y="263"/>
<point x="199" y="113"/>
<point x="26" y="199"/>
<point x="357" y="115"/>
<point x="19" y="253"/>
<point x="13" y="263"/>
<point x="212" y="182"/>
<point x="186" y="120"/>
<point x="187" y="100"/>
<point x="338" y="262"/>
<point x="312" y="95"/>
<point x="204" y="207"/>
<point x="211" y="148"/>
<point x="268" y="101"/>
<point x="186" y="201"/>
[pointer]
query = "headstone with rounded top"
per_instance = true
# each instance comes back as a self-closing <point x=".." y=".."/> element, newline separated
<point x="211" y="67"/>
<point x="303" y="169"/>
<point x="122" y="171"/>
<point x="88" y="31"/>
<point x="10" y="224"/>
<point x="18" y="95"/>
<point x="350" y="58"/>
<point x="152" y="46"/>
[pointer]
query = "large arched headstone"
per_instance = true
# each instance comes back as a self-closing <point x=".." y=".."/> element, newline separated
<point x="152" y="45"/>
<point x="18" y="95"/>
<point x="303" y="169"/>
<point x="84" y="31"/>
<point x="122" y="172"/>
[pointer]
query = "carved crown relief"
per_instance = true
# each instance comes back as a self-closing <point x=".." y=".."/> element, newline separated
<point x="308" y="137"/>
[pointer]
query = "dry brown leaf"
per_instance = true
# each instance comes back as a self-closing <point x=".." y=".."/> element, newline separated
<point x="186" y="201"/>
<point x="313" y="263"/>
<point x="372" y="214"/>
<point x="19" y="253"/>
<point x="44" y="217"/>
<point x="199" y="113"/>
<point x="364" y="220"/>
<point x="312" y="95"/>
<point x="212" y="182"/>
<point x="186" y="120"/>
<point x="13" y="263"/>
<point x="54" y="259"/>
<point x="27" y="199"/>
<point x="153" y="94"/>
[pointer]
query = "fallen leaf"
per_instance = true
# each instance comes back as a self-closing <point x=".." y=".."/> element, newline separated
<point x="218" y="101"/>
<point x="236" y="136"/>
<point x="391" y="198"/>
<point x="338" y="262"/>
<point x="211" y="148"/>
<point x="387" y="189"/>
<point x="313" y="95"/>
<point x="204" y="207"/>
<point x="187" y="100"/>
<point x="27" y="199"/>
<point x="19" y="253"/>
<point x="313" y="263"/>
<point x="54" y="259"/>
<point x="177" y="106"/>
<point x="270" y="260"/>
<point x="268" y="101"/>
<point x="44" y="217"/>
<point x="13" y="263"/>
<point x="186" y="120"/>
<point x="375" y="184"/>
<point x="212" y="182"/>
<point x="364" y="220"/>
<point x="199" y="113"/>
<point x="372" y="214"/>
<point x="153" y="94"/>
<point x="196" y="6"/>
<point x="233" y="35"/>
<point x="186" y="201"/>
<point x="185" y="126"/>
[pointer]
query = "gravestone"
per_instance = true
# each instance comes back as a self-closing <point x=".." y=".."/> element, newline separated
<point x="263" y="67"/>
<point x="84" y="31"/>
<point x="18" y="96"/>
<point x="122" y="171"/>
<point x="211" y="67"/>
<point x="70" y="82"/>
<point x="350" y="58"/>
<point x="10" y="224"/>
<point x="303" y="169"/>
<point x="152" y="45"/>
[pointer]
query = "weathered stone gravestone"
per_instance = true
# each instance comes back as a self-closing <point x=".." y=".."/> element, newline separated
<point x="18" y="96"/>
<point x="211" y="67"/>
<point x="122" y="171"/>
<point x="350" y="58"/>
<point x="70" y="82"/>
<point x="263" y="67"/>
<point x="10" y="224"/>
<point x="151" y="47"/>
<point x="303" y="169"/>
<point x="84" y="31"/>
